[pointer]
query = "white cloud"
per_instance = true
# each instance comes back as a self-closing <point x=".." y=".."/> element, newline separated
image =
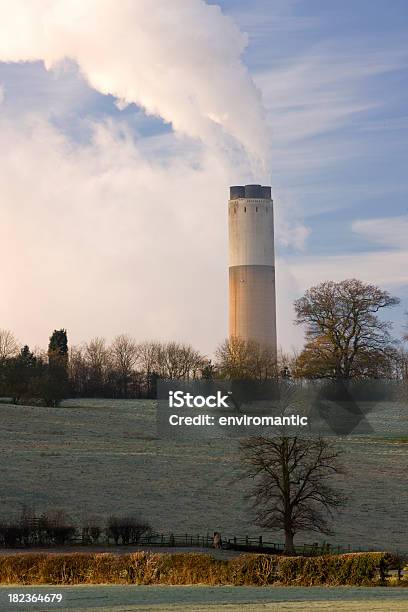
<point x="120" y="234"/>
<point x="179" y="60"/>
<point x="317" y="103"/>
<point x="321" y="91"/>
<point x="384" y="268"/>
<point x="123" y="235"/>
<point x="291" y="233"/>
<point x="388" y="231"/>
<point x="102" y="239"/>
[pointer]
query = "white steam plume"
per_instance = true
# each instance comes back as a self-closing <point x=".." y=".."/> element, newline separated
<point x="178" y="59"/>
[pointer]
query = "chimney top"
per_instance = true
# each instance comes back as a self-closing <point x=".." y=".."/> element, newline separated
<point x="250" y="191"/>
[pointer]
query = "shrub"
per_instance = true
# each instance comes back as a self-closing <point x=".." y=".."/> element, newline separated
<point x="11" y="535"/>
<point x="128" y="529"/>
<point x="91" y="530"/>
<point x="253" y="569"/>
<point x="58" y="528"/>
<point x="189" y="568"/>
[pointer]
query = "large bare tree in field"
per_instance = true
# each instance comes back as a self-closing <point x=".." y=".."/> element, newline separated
<point x="8" y="345"/>
<point x="345" y="336"/>
<point x="292" y="489"/>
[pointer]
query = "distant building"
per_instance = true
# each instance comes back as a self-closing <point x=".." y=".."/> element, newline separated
<point x="252" y="299"/>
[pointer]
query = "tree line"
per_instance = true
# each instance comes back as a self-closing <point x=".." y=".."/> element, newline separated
<point x="294" y="486"/>
<point x="346" y="337"/>
<point x="56" y="528"/>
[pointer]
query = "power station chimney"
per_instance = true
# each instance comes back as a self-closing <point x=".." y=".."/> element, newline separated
<point x="252" y="300"/>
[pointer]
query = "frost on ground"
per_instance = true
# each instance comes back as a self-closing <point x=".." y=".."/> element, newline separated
<point x="150" y="598"/>
<point x="101" y="457"/>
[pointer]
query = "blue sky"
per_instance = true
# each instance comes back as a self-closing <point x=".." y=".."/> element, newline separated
<point x="355" y="54"/>
<point x="333" y="78"/>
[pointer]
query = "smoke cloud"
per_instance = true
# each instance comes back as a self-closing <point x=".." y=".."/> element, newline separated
<point x="121" y="233"/>
<point x="180" y="60"/>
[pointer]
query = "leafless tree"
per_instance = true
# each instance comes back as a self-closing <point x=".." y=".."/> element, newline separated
<point x="292" y="488"/>
<point x="286" y="362"/>
<point x="97" y="353"/>
<point x="99" y="362"/>
<point x="78" y="369"/>
<point x="8" y="345"/>
<point x="170" y="360"/>
<point x="403" y="354"/>
<point x="245" y="359"/>
<point x="148" y="356"/>
<point x="345" y="336"/>
<point x="402" y="364"/>
<point x="180" y="361"/>
<point x="124" y="355"/>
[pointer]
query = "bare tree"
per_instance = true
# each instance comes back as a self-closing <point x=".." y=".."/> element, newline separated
<point x="99" y="363"/>
<point x="401" y="364"/>
<point x="170" y="360"/>
<point x="125" y="354"/>
<point x="286" y="362"/>
<point x="78" y="369"/>
<point x="403" y="355"/>
<point x="180" y="361"/>
<point x="291" y="483"/>
<point x="148" y="356"/>
<point x="8" y="345"/>
<point x="345" y="336"/>
<point x="245" y="359"/>
<point x="127" y="528"/>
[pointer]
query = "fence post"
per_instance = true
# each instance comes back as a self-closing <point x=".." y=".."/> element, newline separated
<point x="260" y="541"/>
<point x="246" y="541"/>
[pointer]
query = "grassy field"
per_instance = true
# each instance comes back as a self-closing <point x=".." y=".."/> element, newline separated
<point x="198" y="599"/>
<point x="97" y="457"/>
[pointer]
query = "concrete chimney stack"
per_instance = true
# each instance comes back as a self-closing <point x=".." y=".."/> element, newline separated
<point x="252" y="300"/>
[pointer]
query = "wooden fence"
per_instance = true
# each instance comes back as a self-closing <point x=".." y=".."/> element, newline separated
<point x="238" y="543"/>
<point x="179" y="540"/>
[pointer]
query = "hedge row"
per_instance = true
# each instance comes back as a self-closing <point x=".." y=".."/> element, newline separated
<point x="190" y="568"/>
